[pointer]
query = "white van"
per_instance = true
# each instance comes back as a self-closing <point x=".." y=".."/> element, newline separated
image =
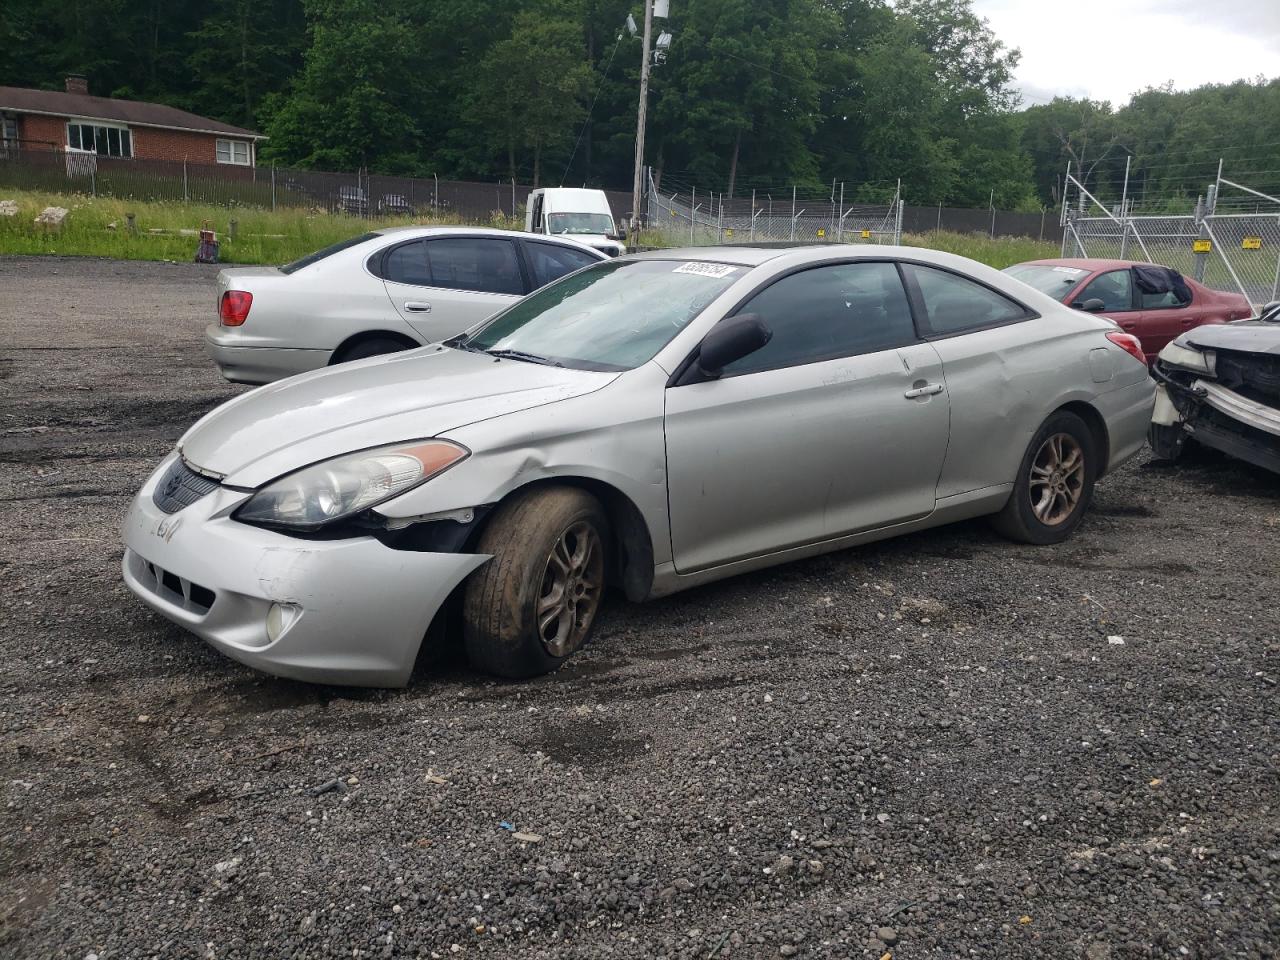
<point x="582" y="215"/>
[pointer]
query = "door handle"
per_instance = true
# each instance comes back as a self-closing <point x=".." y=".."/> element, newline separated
<point x="1128" y="324"/>
<point x="417" y="306"/>
<point x="928" y="390"/>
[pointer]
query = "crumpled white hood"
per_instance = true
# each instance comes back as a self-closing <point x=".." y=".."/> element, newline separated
<point x="390" y="399"/>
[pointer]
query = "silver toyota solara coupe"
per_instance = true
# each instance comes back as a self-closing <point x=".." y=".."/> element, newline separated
<point x="652" y="423"/>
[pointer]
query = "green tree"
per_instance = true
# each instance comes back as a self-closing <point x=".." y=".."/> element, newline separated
<point x="243" y="51"/>
<point x="902" y="102"/>
<point x="530" y="86"/>
<point x="1083" y="132"/>
<point x="738" y="92"/>
<point x="356" y="100"/>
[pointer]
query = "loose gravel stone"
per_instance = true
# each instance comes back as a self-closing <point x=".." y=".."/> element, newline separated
<point x="1001" y="760"/>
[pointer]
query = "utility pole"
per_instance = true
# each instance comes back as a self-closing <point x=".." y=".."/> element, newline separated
<point x="644" y="105"/>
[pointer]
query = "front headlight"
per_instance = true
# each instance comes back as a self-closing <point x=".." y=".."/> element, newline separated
<point x="1177" y="355"/>
<point x="333" y="489"/>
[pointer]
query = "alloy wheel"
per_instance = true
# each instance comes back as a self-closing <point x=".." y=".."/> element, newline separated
<point x="1057" y="479"/>
<point x="572" y="587"/>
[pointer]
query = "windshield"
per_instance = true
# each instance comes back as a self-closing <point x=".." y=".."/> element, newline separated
<point x="587" y="223"/>
<point x="1057" y="282"/>
<point x="610" y="316"/>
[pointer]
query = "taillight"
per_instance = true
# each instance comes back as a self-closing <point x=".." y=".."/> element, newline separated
<point x="234" y="307"/>
<point x="1129" y="344"/>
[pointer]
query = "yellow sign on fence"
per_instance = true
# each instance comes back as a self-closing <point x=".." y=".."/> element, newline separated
<point x="822" y="232"/>
<point x="1201" y="246"/>
<point x="866" y="234"/>
<point x="1251" y="243"/>
<point x="728" y="231"/>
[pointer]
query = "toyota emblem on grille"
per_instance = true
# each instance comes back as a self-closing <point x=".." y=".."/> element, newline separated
<point x="171" y="485"/>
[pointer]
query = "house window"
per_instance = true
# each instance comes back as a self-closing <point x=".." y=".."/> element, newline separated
<point x="102" y="139"/>
<point x="233" y="151"/>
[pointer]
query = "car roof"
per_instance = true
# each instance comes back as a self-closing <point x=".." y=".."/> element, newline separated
<point x="748" y="255"/>
<point x="1086" y="263"/>
<point x="449" y="230"/>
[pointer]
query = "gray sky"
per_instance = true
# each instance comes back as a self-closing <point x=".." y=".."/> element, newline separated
<point x="1111" y="49"/>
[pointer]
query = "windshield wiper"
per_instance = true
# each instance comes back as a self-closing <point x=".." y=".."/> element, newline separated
<point x="521" y="355"/>
<point x="460" y="342"/>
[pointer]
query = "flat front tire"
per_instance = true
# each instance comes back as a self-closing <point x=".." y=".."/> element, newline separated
<point x="1054" y="483"/>
<point x="534" y="604"/>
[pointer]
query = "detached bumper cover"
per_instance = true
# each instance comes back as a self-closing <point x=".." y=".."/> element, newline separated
<point x="1249" y="412"/>
<point x="355" y="611"/>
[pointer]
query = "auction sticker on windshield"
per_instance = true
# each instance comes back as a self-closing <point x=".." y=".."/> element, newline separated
<point x="717" y="271"/>
<point x="1071" y="270"/>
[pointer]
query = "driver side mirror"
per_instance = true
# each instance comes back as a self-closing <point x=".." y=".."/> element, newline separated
<point x="730" y="340"/>
<point x="1092" y="305"/>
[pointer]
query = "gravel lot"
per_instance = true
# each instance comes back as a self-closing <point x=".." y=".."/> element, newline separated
<point x="940" y="746"/>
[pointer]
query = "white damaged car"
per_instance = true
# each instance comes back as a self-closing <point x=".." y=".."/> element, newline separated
<point x="1219" y="386"/>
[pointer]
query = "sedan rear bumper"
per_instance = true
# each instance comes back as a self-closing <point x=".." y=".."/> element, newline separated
<point x="258" y="365"/>
<point x="350" y="611"/>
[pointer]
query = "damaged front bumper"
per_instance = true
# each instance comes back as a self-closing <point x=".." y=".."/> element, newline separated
<point x="349" y="611"/>
<point x="1215" y="416"/>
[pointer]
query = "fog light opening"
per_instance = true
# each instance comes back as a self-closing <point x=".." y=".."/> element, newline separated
<point x="279" y="618"/>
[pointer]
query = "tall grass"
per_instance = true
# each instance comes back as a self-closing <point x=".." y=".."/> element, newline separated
<point x="98" y="226"/>
<point x="1000" y="252"/>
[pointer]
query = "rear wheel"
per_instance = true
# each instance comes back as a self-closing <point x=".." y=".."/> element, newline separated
<point x="1054" y="484"/>
<point x="370" y="347"/>
<point x="534" y="604"/>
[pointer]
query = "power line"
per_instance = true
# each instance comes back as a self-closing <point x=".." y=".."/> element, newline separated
<point x="603" y="77"/>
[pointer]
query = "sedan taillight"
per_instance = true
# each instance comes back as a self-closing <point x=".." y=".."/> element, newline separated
<point x="234" y="307"/>
<point x="1129" y="344"/>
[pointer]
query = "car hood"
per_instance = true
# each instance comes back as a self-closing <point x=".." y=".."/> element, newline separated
<point x="1249" y="336"/>
<point x="289" y="424"/>
<point x="597" y="241"/>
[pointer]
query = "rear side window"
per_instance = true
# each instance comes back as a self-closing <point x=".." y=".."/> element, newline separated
<point x="827" y="312"/>
<point x="955" y="304"/>
<point x="407" y="263"/>
<point x="1160" y="301"/>
<point x="329" y="251"/>
<point x="481" y="264"/>
<point x="551" y="262"/>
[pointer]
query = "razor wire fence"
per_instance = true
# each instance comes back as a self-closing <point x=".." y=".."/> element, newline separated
<point x="1229" y="239"/>
<point x="679" y="215"/>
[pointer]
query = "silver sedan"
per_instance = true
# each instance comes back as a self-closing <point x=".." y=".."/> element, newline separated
<point x="377" y="293"/>
<point x="652" y="423"/>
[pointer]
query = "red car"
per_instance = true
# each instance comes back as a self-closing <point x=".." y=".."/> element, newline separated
<point x="1153" y="303"/>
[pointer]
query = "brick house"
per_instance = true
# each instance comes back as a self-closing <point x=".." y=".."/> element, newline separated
<point x="75" y="120"/>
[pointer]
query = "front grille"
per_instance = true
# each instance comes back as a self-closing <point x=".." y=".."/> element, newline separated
<point x="177" y="590"/>
<point x="181" y="487"/>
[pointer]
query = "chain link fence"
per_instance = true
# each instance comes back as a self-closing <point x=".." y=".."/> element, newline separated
<point x="1227" y="241"/>
<point x="357" y="194"/>
<point x="681" y="216"/>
